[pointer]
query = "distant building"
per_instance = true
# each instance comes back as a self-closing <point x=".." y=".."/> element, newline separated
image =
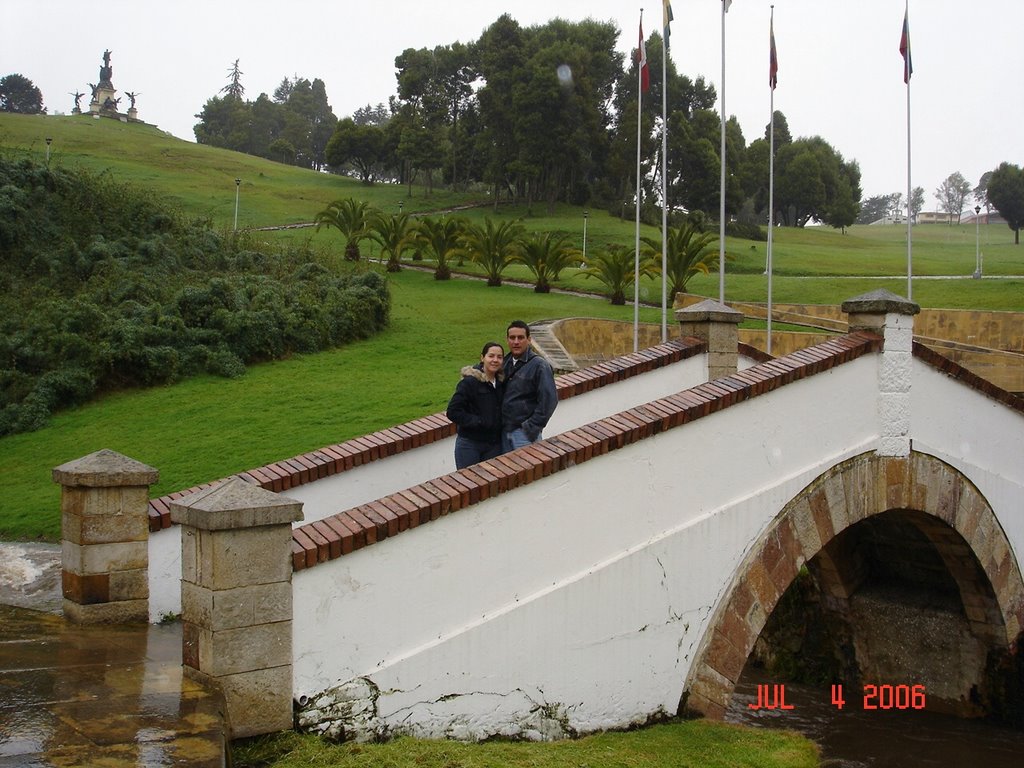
<point x="968" y="217"/>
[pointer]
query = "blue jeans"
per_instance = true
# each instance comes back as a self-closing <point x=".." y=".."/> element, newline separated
<point x="472" y="451"/>
<point x="516" y="439"/>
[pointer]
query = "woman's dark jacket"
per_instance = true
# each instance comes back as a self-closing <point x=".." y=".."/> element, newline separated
<point x="475" y="408"/>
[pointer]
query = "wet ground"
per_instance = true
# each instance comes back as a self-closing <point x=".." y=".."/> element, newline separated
<point x="111" y="696"/>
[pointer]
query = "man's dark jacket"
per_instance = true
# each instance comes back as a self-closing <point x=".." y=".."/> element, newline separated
<point x="530" y="395"/>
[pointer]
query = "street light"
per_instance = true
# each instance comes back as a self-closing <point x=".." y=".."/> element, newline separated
<point x="585" y="215"/>
<point x="238" y="183"/>
<point x="977" y="241"/>
<point x="49" y="139"/>
<point x="401" y="205"/>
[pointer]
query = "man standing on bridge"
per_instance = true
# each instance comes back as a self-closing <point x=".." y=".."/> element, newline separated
<point x="530" y="396"/>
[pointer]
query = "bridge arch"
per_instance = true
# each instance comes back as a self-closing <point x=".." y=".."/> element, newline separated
<point x="918" y="490"/>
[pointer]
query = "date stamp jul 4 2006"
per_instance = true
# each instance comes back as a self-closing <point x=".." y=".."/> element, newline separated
<point x="873" y="697"/>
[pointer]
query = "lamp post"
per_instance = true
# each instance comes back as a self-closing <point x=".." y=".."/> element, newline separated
<point x="49" y="140"/>
<point x="585" y="215"/>
<point x="977" y="241"/>
<point x="238" y="183"/>
<point x="401" y="205"/>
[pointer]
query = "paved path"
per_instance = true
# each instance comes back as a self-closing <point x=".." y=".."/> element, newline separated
<point x="76" y="696"/>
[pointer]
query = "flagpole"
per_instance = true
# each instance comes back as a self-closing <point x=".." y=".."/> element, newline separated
<point x="907" y="70"/>
<point x="721" y="193"/>
<point x="772" y="67"/>
<point x="636" y="255"/>
<point x="664" y="186"/>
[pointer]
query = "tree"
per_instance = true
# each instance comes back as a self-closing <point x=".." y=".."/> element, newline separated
<point x="351" y="219"/>
<point x="19" y="94"/>
<point x="875" y="208"/>
<point x="842" y="209"/>
<point x="782" y="134"/>
<point x="493" y="248"/>
<point x="394" y="234"/>
<point x="688" y="252"/>
<point x="437" y="85"/>
<point x="1006" y="193"/>
<point x="981" y="191"/>
<point x="916" y="202"/>
<point x="441" y="237"/>
<point x="224" y="122"/>
<point x="546" y="255"/>
<point x="952" y="195"/>
<point x="614" y="266"/>
<point x="361" y="146"/>
<point x="813" y="181"/>
<point x="282" y="150"/>
<point x="378" y="115"/>
<point x="234" y="88"/>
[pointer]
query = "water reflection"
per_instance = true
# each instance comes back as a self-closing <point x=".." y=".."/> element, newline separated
<point x="853" y="737"/>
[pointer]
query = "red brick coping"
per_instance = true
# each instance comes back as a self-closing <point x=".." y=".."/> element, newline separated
<point x="366" y="524"/>
<point x="332" y="459"/>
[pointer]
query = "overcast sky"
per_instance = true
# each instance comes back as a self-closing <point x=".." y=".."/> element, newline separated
<point x="840" y="71"/>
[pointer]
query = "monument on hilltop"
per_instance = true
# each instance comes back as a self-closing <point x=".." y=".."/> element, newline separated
<point x="104" y="101"/>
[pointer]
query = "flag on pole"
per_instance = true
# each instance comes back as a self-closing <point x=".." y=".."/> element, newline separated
<point x="773" y="59"/>
<point x="908" y="65"/>
<point x="645" y="70"/>
<point x="666" y="8"/>
<point x="725" y="5"/>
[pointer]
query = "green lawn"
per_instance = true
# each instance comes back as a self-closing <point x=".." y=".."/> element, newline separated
<point x="206" y="428"/>
<point x="689" y="744"/>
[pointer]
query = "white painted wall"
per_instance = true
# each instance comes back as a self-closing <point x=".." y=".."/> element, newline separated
<point x="578" y="601"/>
<point x="979" y="436"/>
<point x="371" y="481"/>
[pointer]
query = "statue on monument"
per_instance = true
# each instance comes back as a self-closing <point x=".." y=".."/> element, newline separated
<point x="132" y="96"/>
<point x="78" y="97"/>
<point x="106" y="71"/>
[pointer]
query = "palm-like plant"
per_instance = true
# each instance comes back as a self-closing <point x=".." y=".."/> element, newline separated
<point x="441" y="238"/>
<point x="351" y="218"/>
<point x="546" y="255"/>
<point x="615" y="267"/>
<point x="493" y="248"/>
<point x="687" y="253"/>
<point x="394" y="234"/>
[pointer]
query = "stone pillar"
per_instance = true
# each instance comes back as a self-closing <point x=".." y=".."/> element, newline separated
<point x="717" y="326"/>
<point x="892" y="317"/>
<point x="105" y="538"/>
<point x="236" y="600"/>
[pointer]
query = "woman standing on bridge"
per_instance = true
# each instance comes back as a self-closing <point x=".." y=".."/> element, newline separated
<point x="475" y="408"/>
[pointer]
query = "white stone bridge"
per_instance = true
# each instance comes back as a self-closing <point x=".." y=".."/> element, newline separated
<point x="622" y="569"/>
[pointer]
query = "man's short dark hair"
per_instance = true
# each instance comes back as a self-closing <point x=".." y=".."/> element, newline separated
<point x="518" y="324"/>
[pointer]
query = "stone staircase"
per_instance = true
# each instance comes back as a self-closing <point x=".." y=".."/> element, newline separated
<point x="548" y="345"/>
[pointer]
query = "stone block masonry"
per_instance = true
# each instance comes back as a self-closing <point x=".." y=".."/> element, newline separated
<point x="236" y="600"/>
<point x="105" y="538"/>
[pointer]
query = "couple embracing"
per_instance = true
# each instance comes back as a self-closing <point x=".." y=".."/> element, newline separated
<point x="504" y="401"/>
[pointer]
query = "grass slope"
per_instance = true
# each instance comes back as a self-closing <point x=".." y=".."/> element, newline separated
<point x="207" y="428"/>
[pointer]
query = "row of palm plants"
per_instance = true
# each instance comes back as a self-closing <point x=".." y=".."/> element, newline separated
<point x="494" y="247"/>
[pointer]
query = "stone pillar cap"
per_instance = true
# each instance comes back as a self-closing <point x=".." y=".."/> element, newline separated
<point x="709" y="310"/>
<point x="880" y="302"/>
<point x="105" y="468"/>
<point x="234" y="504"/>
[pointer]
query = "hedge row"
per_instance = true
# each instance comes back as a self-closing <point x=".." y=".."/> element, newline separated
<point x="101" y="288"/>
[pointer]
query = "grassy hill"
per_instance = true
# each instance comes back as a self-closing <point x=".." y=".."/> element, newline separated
<point x="207" y="428"/>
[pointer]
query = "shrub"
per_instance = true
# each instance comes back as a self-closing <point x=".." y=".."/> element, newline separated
<point x="102" y="288"/>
